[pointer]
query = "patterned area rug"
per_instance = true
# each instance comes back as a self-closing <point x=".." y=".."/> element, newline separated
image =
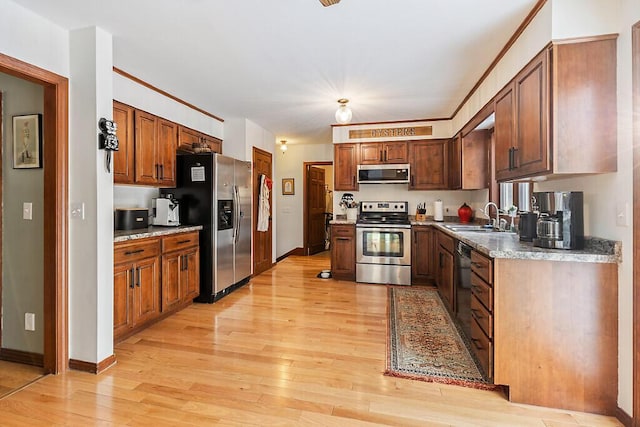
<point x="423" y="342"/>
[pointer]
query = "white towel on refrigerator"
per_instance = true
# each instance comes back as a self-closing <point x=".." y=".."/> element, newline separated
<point x="263" y="205"/>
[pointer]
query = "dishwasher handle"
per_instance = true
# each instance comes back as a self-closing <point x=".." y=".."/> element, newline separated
<point x="463" y="250"/>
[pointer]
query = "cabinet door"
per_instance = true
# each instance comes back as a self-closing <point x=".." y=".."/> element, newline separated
<point x="429" y="165"/>
<point x="455" y="163"/>
<point x="531" y="88"/>
<point x="371" y="153"/>
<point x="171" y="271"/>
<point x="445" y="286"/>
<point x="147" y="290"/>
<point x="167" y="147"/>
<point x="187" y="137"/>
<point x="190" y="282"/>
<point x="346" y="165"/>
<point x="396" y="152"/>
<point x="122" y="298"/>
<point x="146" y="154"/>
<point x="504" y="132"/>
<point x="422" y="263"/>
<point x="343" y="252"/>
<point x="123" y="159"/>
<point x="214" y="144"/>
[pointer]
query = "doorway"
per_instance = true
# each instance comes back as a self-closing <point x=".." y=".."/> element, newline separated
<point x="317" y="206"/>
<point x="55" y="202"/>
<point x="262" y="240"/>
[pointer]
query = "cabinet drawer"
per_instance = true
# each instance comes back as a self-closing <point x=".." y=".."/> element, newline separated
<point x="482" y="316"/>
<point x="482" y="266"/>
<point x="179" y="241"/>
<point x="127" y="252"/>
<point x="343" y="230"/>
<point x="446" y="241"/>
<point x="482" y="347"/>
<point x="482" y="291"/>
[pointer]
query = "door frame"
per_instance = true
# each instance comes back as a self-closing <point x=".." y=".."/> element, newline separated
<point x="635" y="36"/>
<point x="55" y="160"/>
<point x="305" y="204"/>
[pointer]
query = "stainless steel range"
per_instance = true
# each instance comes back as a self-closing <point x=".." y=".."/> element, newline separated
<point x="383" y="243"/>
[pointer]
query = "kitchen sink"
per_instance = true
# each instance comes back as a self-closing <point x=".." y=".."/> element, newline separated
<point x="469" y="227"/>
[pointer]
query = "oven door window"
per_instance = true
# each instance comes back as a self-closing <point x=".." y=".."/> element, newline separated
<point x="383" y="243"/>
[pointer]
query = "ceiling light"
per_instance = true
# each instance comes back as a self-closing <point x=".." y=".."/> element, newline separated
<point x="343" y="114"/>
<point x="326" y="3"/>
<point x="283" y="146"/>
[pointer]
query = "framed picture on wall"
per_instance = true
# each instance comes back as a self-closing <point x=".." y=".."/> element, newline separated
<point x="288" y="188"/>
<point x="27" y="141"/>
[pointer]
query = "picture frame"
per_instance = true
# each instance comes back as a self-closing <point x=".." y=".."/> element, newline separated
<point x="27" y="141"/>
<point x="288" y="187"/>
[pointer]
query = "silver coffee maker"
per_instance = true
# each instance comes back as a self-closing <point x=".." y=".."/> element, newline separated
<point x="166" y="211"/>
<point x="560" y="219"/>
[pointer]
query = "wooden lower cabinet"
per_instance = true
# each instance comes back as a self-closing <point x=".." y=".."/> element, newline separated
<point x="343" y="251"/>
<point x="180" y="273"/>
<point x="422" y="256"/>
<point x="153" y="277"/>
<point x="136" y="285"/>
<point x="482" y="311"/>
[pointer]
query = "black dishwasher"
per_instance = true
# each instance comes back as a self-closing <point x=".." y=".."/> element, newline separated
<point x="463" y="287"/>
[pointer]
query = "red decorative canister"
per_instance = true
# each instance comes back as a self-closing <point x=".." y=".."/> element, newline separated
<point x="464" y="213"/>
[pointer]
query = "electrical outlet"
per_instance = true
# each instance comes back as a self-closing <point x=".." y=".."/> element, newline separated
<point x="622" y="214"/>
<point x="29" y="322"/>
<point x="77" y="210"/>
<point x="27" y="210"/>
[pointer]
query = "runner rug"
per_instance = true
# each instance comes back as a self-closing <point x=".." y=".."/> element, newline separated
<point x="423" y="343"/>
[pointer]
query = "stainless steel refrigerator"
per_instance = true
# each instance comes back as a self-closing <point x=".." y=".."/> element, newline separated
<point x="215" y="191"/>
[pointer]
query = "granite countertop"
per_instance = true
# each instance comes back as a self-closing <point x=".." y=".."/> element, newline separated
<point x="342" y="220"/>
<point x="508" y="246"/>
<point x="153" y="231"/>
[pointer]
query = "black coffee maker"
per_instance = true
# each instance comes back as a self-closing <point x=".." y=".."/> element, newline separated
<point x="560" y="222"/>
<point x="527" y="226"/>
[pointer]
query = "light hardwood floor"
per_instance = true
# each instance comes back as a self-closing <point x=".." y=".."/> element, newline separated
<point x="286" y="349"/>
<point x="16" y="375"/>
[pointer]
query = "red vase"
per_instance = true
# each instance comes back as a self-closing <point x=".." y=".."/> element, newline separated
<point x="464" y="213"/>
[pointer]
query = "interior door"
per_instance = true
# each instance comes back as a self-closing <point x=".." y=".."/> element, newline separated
<point x="315" y="194"/>
<point x="262" y="251"/>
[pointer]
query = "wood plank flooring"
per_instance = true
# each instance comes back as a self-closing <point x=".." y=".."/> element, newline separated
<point x="287" y="349"/>
<point x="16" y="375"/>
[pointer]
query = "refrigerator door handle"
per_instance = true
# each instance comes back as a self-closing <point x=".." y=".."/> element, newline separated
<point x="237" y="213"/>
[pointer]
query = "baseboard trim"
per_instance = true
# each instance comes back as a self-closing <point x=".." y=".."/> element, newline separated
<point x="623" y="417"/>
<point x="24" y="357"/>
<point x="294" y="251"/>
<point x="92" y="368"/>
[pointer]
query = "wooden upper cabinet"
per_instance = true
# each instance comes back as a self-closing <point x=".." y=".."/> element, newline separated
<point x="345" y="159"/>
<point x="560" y="119"/>
<point x="455" y="163"/>
<point x="429" y="161"/>
<point x="475" y="165"/>
<point x="166" y="150"/>
<point x="504" y="131"/>
<point x="123" y="159"/>
<point x="188" y="137"/>
<point x="146" y="148"/>
<point x="373" y="153"/>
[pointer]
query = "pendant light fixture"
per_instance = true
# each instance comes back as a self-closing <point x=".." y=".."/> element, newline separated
<point x="326" y="3"/>
<point x="283" y="146"/>
<point x="343" y="114"/>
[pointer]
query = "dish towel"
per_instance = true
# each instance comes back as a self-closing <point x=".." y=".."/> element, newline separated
<point x="263" y="204"/>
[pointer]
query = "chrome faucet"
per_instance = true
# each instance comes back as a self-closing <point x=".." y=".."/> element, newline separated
<point x="494" y="222"/>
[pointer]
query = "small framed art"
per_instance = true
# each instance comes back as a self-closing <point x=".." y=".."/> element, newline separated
<point x="288" y="187"/>
<point x="27" y="141"/>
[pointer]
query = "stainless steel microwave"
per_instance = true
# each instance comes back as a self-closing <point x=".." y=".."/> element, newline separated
<point x="383" y="174"/>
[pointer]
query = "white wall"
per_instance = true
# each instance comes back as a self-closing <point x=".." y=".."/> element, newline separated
<point x="289" y="213"/>
<point x="91" y="238"/>
<point x="235" y="137"/>
<point x="136" y="95"/>
<point x="32" y="39"/>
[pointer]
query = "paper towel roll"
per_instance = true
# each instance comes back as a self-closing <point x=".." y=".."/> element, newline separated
<point x="438" y="211"/>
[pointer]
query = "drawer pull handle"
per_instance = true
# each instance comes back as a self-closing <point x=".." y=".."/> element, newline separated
<point x="476" y="314"/>
<point x="343" y="238"/>
<point x="137" y="251"/>
<point x="477" y="289"/>
<point x="476" y="343"/>
<point x="478" y="265"/>
<point x="183" y="241"/>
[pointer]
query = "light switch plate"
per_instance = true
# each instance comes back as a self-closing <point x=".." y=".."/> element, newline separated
<point x="77" y="210"/>
<point x="29" y="322"/>
<point x="27" y="210"/>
